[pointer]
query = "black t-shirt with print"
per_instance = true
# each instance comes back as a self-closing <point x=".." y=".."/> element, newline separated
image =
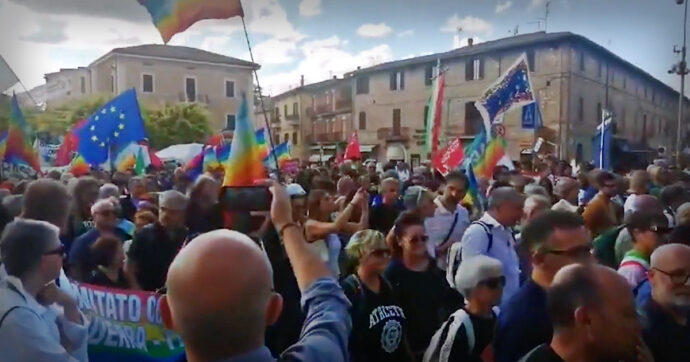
<point x="378" y="323"/>
<point x="426" y="298"/>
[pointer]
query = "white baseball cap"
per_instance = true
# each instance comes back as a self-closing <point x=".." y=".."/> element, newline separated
<point x="295" y="190"/>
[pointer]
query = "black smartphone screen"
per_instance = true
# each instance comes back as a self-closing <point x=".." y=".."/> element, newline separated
<point x="250" y="198"/>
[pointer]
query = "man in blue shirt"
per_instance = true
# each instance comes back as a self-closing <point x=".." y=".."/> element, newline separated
<point x="553" y="240"/>
<point x="220" y="296"/>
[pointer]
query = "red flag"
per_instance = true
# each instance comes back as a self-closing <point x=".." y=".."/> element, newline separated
<point x="438" y="113"/>
<point x="70" y="144"/>
<point x="155" y="161"/>
<point x="352" y="151"/>
<point x="447" y="159"/>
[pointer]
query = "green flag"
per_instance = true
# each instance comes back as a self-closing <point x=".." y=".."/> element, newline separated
<point x="139" y="167"/>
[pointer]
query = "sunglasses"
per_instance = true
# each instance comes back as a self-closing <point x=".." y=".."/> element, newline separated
<point x="381" y="253"/>
<point x="494" y="283"/>
<point x="419" y="238"/>
<point x="677" y="278"/>
<point x="578" y="252"/>
<point x="60" y="250"/>
<point x="660" y="229"/>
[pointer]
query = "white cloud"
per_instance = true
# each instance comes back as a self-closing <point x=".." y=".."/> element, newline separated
<point x="275" y="51"/>
<point x="324" y="58"/>
<point x="309" y="8"/>
<point x="459" y="42"/>
<point x="269" y="17"/>
<point x="537" y="3"/>
<point x="468" y="24"/>
<point x="374" y="30"/>
<point x="502" y="7"/>
<point x="406" y="33"/>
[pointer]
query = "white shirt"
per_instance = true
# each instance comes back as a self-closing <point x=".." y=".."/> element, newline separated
<point x="438" y="226"/>
<point x="476" y="242"/>
<point x="32" y="331"/>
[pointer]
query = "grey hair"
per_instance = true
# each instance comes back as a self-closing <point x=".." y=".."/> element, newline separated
<point x="534" y="201"/>
<point x="474" y="270"/>
<point x="683" y="213"/>
<point x="533" y="189"/>
<point x="503" y="195"/>
<point x="108" y="190"/>
<point x="24" y="243"/>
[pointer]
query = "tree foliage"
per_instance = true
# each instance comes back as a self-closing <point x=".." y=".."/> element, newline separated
<point x="177" y="123"/>
<point x="59" y="120"/>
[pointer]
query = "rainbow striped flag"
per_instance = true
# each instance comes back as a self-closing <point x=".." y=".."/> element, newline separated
<point x="282" y="153"/>
<point x="18" y="148"/>
<point x="79" y="166"/>
<point x="494" y="151"/>
<point x="195" y="166"/>
<point x="211" y="162"/>
<point x="262" y="142"/>
<point x="244" y="165"/>
<point x="175" y="16"/>
<point x="3" y="144"/>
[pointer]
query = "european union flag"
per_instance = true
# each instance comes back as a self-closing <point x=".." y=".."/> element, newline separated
<point x="513" y="89"/>
<point x="117" y="123"/>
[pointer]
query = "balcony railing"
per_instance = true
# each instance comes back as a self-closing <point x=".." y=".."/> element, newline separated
<point x="198" y="98"/>
<point x="292" y="118"/>
<point x="392" y="134"/>
<point x="343" y="103"/>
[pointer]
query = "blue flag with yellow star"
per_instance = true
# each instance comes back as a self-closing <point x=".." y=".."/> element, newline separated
<point x="117" y="123"/>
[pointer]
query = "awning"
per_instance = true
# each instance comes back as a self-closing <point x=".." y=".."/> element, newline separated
<point x="366" y="148"/>
<point x="325" y="147"/>
<point x="319" y="158"/>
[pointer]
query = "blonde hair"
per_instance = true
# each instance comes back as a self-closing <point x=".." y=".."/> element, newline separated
<point x="365" y="241"/>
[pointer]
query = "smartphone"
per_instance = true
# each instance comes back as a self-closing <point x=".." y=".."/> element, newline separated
<point x="250" y="198"/>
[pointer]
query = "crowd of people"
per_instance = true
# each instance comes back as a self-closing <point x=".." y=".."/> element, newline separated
<point x="361" y="262"/>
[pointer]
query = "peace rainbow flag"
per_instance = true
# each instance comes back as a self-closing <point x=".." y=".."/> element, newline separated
<point x="18" y="148"/>
<point x="79" y="166"/>
<point x="494" y="151"/>
<point x="262" y="142"/>
<point x="175" y="16"/>
<point x="3" y="144"/>
<point x="244" y="165"/>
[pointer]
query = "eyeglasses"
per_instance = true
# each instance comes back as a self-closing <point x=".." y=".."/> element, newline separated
<point x="494" y="283"/>
<point x="419" y="238"/>
<point x="381" y="253"/>
<point x="678" y="278"/>
<point x="60" y="250"/>
<point x="578" y="252"/>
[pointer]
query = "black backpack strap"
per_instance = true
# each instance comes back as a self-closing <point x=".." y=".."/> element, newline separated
<point x="11" y="287"/>
<point x="450" y="231"/>
<point x="490" y="236"/>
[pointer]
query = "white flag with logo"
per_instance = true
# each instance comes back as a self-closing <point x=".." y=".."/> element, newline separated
<point x="7" y="76"/>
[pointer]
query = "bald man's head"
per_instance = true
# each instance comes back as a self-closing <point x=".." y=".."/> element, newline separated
<point x="220" y="295"/>
<point x="670" y="267"/>
<point x="587" y="300"/>
<point x="644" y="202"/>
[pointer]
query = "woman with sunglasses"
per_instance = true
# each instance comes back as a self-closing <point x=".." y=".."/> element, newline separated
<point x="426" y="297"/>
<point x="469" y="331"/>
<point x="322" y="229"/>
<point x="378" y="321"/>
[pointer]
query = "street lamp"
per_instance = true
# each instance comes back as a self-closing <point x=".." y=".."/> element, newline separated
<point x="682" y="70"/>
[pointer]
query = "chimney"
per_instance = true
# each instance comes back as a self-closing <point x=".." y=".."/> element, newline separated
<point x="301" y="81"/>
<point x="335" y="77"/>
<point x="359" y="67"/>
<point x="470" y="42"/>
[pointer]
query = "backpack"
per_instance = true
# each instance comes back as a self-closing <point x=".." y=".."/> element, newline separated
<point x="454" y="257"/>
<point x="605" y="247"/>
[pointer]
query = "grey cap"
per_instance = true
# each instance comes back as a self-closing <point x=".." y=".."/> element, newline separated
<point x="173" y="200"/>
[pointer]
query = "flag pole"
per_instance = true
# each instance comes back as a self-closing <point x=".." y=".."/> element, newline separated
<point x="261" y="98"/>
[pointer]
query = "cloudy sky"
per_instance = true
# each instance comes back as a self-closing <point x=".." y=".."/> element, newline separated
<point x="321" y="38"/>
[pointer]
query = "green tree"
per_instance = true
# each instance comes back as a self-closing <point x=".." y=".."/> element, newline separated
<point x="177" y="123"/>
<point x="59" y="120"/>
